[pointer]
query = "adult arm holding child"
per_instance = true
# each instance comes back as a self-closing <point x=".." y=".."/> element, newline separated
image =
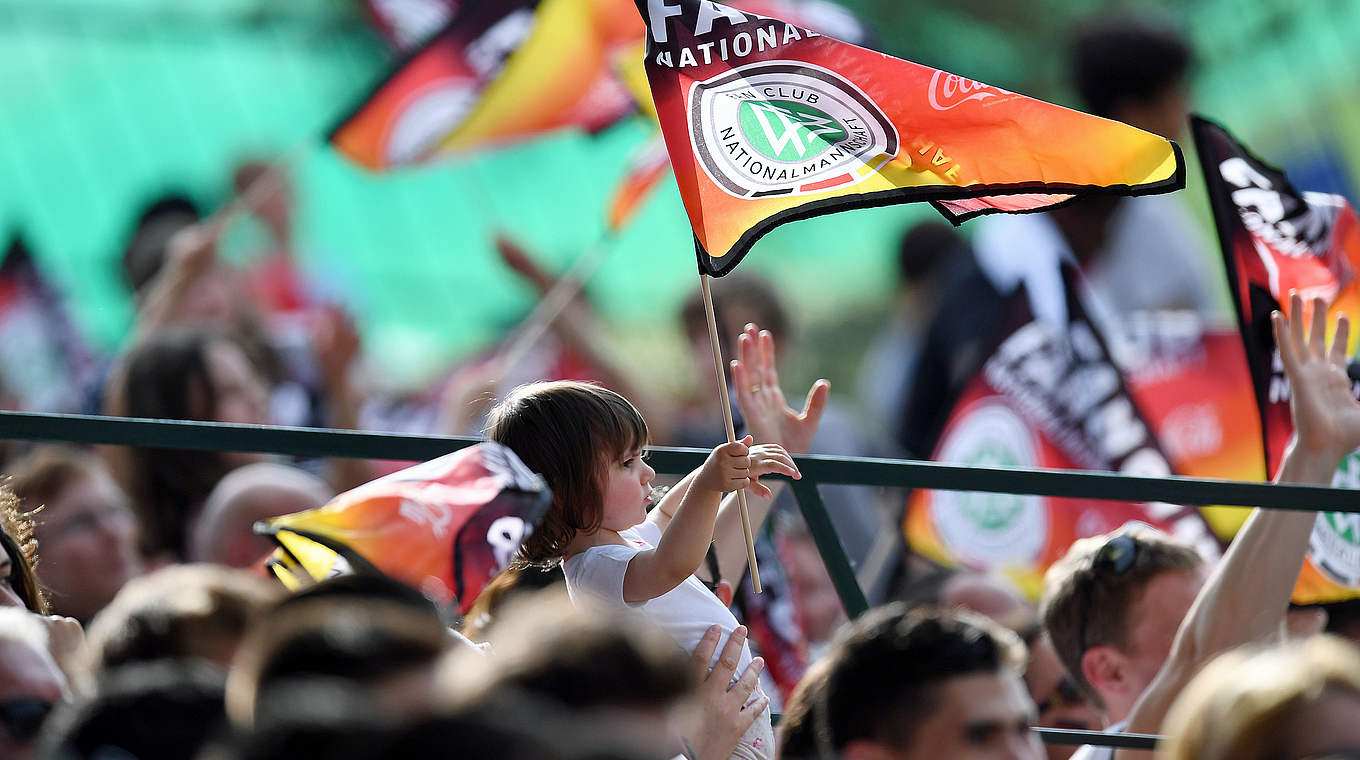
<point x="728" y="702"/>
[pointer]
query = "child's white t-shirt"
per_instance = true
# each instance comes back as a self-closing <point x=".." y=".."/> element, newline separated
<point x="595" y="577"/>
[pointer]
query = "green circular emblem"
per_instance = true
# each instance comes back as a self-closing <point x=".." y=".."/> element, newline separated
<point x="786" y="130"/>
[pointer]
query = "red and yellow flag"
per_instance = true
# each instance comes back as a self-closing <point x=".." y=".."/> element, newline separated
<point x="446" y="527"/>
<point x="498" y="72"/>
<point x="767" y="122"/>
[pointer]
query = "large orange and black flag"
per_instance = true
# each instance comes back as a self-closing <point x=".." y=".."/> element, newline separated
<point x="767" y="122"/>
<point x="1052" y="396"/>
<point x="499" y="71"/>
<point x="1275" y="239"/>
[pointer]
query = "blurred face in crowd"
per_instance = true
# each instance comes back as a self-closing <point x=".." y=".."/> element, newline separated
<point x="1057" y="698"/>
<point x="980" y="716"/>
<point x="818" y="605"/>
<point x="30" y="684"/>
<point x="242" y="396"/>
<point x="1120" y="675"/>
<point x="212" y="299"/>
<point x="1166" y="114"/>
<point x="89" y="548"/>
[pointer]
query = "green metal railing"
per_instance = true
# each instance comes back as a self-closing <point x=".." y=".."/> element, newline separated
<point x="816" y="471"/>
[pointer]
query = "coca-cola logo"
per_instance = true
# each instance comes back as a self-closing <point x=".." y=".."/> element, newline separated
<point x="951" y="91"/>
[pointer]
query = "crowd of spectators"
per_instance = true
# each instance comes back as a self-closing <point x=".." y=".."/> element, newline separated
<point x="138" y="618"/>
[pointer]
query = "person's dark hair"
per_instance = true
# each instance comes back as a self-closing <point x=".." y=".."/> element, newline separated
<point x="147" y="242"/>
<point x="798" y="726"/>
<point x="314" y="717"/>
<point x="511" y="726"/>
<point x="17" y="541"/>
<point x="924" y="247"/>
<point x="548" y="648"/>
<point x="364" y="588"/>
<point x="148" y="711"/>
<point x="569" y="433"/>
<point x="177" y="612"/>
<point x="1126" y="57"/>
<point x="167" y="377"/>
<point x="359" y="641"/>
<point x="1085" y="604"/>
<point x="928" y="587"/>
<point x="884" y="672"/>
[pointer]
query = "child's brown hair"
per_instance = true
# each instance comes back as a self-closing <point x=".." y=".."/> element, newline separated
<point x="568" y="432"/>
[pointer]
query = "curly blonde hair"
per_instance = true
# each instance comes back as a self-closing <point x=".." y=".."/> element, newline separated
<point x="17" y="529"/>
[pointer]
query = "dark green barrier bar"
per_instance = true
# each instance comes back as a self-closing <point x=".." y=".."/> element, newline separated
<point x="217" y="436"/>
<point x="1097" y="738"/>
<point x="829" y="546"/>
<point x="1076" y="484"/>
<point x="817" y="469"/>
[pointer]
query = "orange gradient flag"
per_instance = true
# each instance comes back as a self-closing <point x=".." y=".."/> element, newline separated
<point x="446" y="527"/>
<point x="500" y="71"/>
<point x="767" y="122"/>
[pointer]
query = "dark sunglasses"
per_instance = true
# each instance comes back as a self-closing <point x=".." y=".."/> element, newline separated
<point x="23" y="718"/>
<point x="1065" y="694"/>
<point x="1112" y="559"/>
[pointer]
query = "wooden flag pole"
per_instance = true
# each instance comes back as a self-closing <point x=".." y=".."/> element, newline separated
<point x="731" y="429"/>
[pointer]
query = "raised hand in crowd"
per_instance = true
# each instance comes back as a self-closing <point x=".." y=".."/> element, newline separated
<point x="769" y="419"/>
<point x="726" y="708"/>
<point x="1245" y="598"/>
<point x="1326" y="414"/>
<point x="768" y="415"/>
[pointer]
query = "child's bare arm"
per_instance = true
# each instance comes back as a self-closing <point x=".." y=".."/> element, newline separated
<point x="730" y="467"/>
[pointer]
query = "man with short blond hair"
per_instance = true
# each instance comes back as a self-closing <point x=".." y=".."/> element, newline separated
<point x="1111" y="606"/>
<point x="1175" y="621"/>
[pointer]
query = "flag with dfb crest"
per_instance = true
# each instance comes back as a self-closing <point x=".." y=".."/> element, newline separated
<point x="767" y="122"/>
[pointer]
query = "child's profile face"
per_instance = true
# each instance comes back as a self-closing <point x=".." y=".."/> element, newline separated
<point x="628" y="483"/>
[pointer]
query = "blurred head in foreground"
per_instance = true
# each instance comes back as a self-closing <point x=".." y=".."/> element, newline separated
<point x="1297" y="700"/>
<point x="903" y="683"/>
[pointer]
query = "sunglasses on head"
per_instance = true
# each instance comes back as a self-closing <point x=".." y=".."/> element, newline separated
<point x="1114" y="558"/>
<point x="22" y="718"/>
